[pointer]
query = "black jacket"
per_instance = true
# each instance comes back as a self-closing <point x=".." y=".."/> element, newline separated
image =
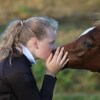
<point x="17" y="81"/>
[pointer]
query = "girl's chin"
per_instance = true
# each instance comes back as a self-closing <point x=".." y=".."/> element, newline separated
<point x="45" y="59"/>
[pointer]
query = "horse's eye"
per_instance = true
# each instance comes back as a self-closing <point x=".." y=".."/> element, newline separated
<point x="88" y="45"/>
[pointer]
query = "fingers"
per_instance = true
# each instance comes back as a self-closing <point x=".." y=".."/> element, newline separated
<point x="56" y="53"/>
<point x="64" y="59"/>
<point x="55" y="63"/>
<point x="60" y="54"/>
<point x="65" y="63"/>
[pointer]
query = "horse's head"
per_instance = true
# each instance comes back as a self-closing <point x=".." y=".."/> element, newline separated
<point x="84" y="52"/>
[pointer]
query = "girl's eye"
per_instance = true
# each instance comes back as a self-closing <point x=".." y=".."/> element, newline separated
<point x="52" y="45"/>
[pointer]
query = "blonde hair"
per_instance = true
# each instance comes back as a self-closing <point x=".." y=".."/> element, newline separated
<point x="19" y="32"/>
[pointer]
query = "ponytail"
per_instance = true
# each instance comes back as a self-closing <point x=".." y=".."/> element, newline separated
<point x="10" y="39"/>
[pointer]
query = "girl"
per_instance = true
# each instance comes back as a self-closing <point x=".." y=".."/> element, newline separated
<point x="22" y="43"/>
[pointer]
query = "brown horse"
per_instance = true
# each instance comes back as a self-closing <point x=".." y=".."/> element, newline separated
<point x="84" y="52"/>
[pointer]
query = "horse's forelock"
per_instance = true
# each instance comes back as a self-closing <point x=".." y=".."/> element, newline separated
<point x="86" y="31"/>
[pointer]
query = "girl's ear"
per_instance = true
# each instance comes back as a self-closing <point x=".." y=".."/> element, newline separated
<point x="35" y="42"/>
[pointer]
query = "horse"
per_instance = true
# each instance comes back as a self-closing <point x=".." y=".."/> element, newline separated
<point x="84" y="52"/>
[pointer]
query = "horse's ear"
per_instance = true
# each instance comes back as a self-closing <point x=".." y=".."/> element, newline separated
<point x="97" y="25"/>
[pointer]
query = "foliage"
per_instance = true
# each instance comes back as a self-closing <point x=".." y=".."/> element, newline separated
<point x="54" y="8"/>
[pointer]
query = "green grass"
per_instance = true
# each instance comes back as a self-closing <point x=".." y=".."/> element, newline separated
<point x="76" y="96"/>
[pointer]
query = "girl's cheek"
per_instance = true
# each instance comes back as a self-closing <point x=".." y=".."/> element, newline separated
<point x="47" y="51"/>
<point x="46" y="54"/>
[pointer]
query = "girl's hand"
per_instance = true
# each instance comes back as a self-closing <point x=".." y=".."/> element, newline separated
<point x="56" y="62"/>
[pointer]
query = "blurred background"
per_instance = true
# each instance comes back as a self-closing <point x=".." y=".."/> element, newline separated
<point x="74" y="16"/>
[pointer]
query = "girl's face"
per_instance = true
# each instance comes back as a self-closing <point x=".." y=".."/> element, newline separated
<point x="45" y="46"/>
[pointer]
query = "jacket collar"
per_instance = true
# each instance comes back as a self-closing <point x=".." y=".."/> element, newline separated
<point x="28" y="54"/>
